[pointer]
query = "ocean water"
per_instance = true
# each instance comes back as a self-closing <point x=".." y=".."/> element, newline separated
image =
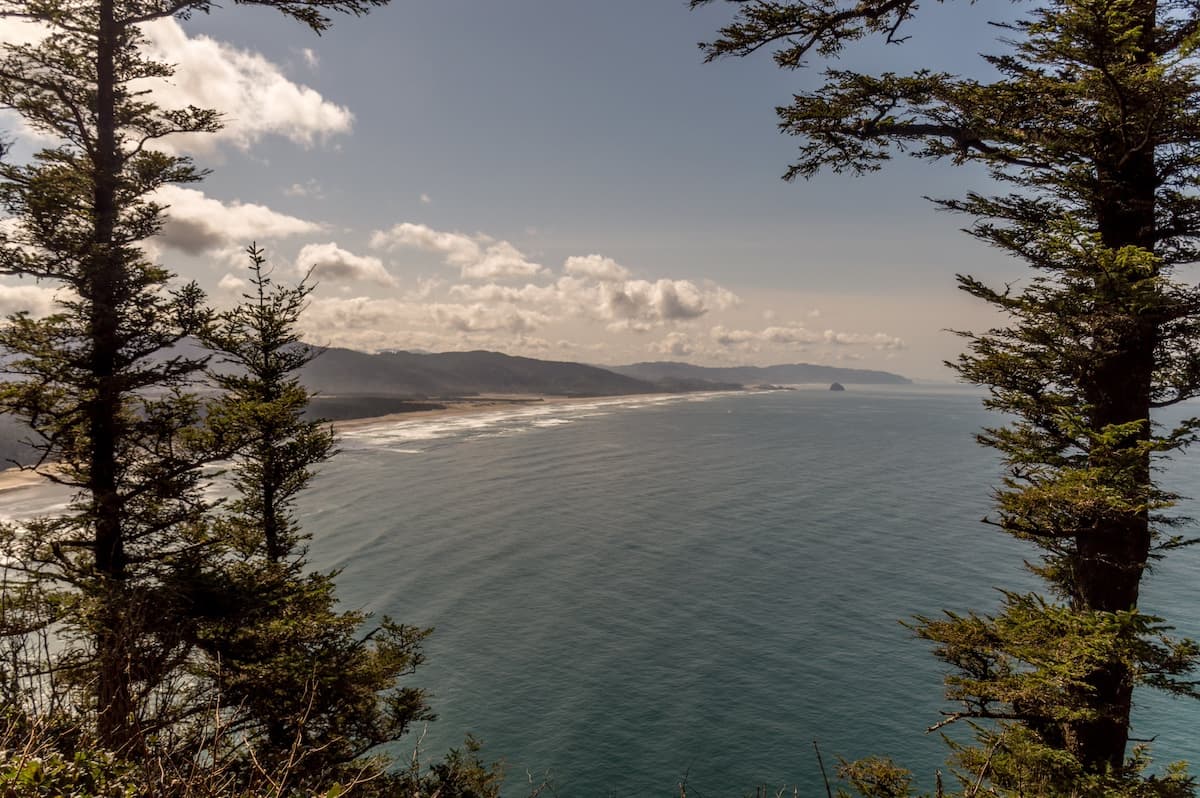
<point x="631" y="593"/>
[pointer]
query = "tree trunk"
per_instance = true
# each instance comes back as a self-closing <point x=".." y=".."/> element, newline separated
<point x="113" y="644"/>
<point x="1111" y="557"/>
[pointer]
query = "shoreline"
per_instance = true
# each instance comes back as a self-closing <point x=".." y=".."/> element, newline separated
<point x="486" y="403"/>
<point x="15" y="478"/>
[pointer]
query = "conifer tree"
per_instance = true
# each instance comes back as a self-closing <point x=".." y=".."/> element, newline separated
<point x="105" y="397"/>
<point x="1092" y="132"/>
<point x="296" y="673"/>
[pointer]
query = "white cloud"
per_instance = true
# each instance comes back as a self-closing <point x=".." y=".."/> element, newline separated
<point x="21" y="31"/>
<point x="599" y="294"/>
<point x="35" y="300"/>
<point x="426" y="199"/>
<point x="879" y="341"/>
<point x="310" y="57"/>
<point x="485" y="318"/>
<point x="197" y="223"/>
<point x="253" y="95"/>
<point x="231" y="284"/>
<point x="548" y="297"/>
<point x="309" y="188"/>
<point x="640" y="304"/>
<point x="796" y="335"/>
<point x="359" y="322"/>
<point x="676" y="344"/>
<point x="331" y="262"/>
<point x="478" y="257"/>
<point x="727" y="337"/>
<point x="596" y="267"/>
<point x="790" y="335"/>
<point x="369" y="324"/>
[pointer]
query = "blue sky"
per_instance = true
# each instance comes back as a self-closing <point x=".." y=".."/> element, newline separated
<point x="564" y="179"/>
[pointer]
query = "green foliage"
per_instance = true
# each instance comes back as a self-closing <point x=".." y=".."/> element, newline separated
<point x="461" y="774"/>
<point x="40" y="761"/>
<point x="108" y="405"/>
<point x="84" y="774"/>
<point x="1093" y="121"/>
<point x="876" y="777"/>
<point x="305" y="685"/>
<point x="111" y="607"/>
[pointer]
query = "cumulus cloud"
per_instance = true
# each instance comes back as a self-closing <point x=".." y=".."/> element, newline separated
<point x="197" y="223"/>
<point x="477" y="257"/>
<point x="368" y="323"/>
<point x="231" y="285"/>
<point x="356" y="313"/>
<point x="331" y="262"/>
<point x="874" y="340"/>
<point x="486" y="318"/>
<point x="591" y="290"/>
<point x="253" y="95"/>
<point x="798" y="335"/>
<point x="676" y="344"/>
<point x="641" y="304"/>
<point x="547" y="297"/>
<point x="596" y="267"/>
<point x="35" y="300"/>
<point x="599" y="289"/>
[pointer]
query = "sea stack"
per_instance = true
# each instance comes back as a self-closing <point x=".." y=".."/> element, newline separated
<point x="837" y="386"/>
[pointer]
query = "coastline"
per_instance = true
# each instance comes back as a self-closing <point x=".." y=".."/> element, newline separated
<point x="14" y="478"/>
<point x="487" y="403"/>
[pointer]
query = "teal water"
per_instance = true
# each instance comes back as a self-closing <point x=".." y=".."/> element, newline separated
<point x="630" y="592"/>
<point x="627" y="594"/>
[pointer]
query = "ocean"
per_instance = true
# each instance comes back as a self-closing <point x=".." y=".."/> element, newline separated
<point x="632" y="593"/>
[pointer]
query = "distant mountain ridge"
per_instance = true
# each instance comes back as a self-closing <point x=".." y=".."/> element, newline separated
<point x="354" y="384"/>
<point x="338" y="371"/>
<point x="785" y="373"/>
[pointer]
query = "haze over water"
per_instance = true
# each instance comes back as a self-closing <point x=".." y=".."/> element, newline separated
<point x="629" y="590"/>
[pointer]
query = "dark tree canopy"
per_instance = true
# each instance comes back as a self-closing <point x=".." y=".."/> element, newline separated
<point x="120" y="578"/>
<point x="295" y="672"/>
<point x="1091" y="132"/>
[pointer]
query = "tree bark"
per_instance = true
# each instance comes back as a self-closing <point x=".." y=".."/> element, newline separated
<point x="113" y="690"/>
<point x="1111" y="557"/>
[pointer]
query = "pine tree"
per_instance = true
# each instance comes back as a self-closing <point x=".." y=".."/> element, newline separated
<point x="107" y="400"/>
<point x="1093" y="128"/>
<point x="296" y="673"/>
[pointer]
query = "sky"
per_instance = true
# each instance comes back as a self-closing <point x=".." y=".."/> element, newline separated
<point x="558" y="179"/>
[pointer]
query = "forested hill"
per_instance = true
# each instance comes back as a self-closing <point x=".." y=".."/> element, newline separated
<point x="373" y="384"/>
<point x="345" y="371"/>
<point x="785" y="374"/>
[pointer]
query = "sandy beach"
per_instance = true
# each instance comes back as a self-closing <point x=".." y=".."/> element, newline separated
<point x="484" y="404"/>
<point x="12" y="479"/>
<point x="453" y="407"/>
